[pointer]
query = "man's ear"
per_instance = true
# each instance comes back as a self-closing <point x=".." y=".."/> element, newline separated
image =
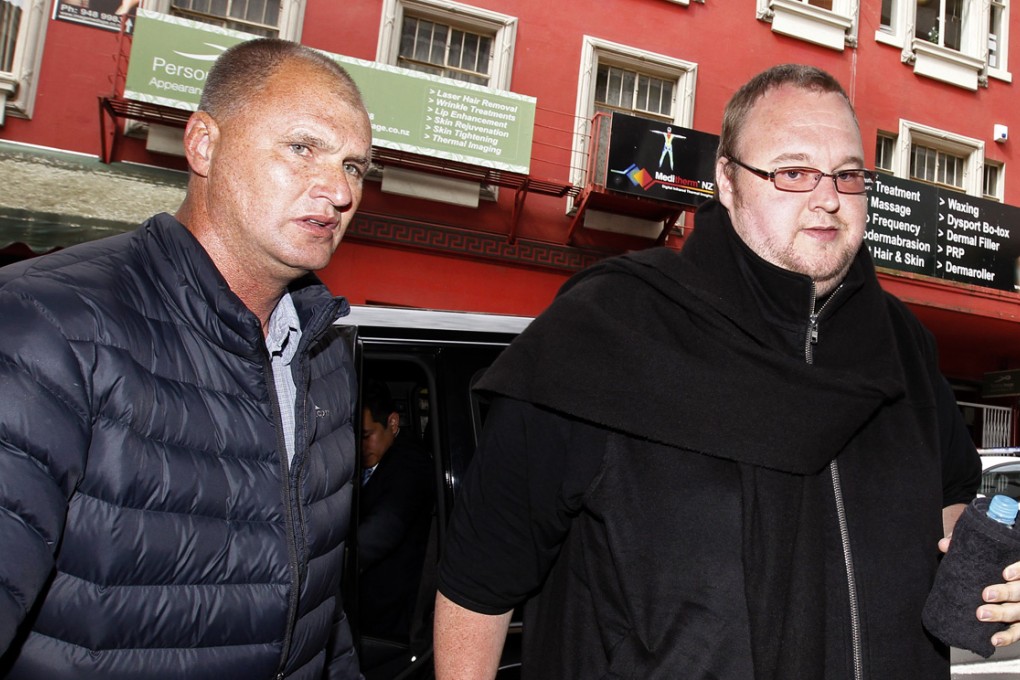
<point x="393" y="422"/>
<point x="200" y="137"/>
<point x="724" y="183"/>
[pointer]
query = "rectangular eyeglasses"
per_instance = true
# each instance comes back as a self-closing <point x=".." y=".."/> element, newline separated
<point x="801" y="179"/>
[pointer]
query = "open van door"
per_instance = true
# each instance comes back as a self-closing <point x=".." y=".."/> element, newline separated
<point x="429" y="361"/>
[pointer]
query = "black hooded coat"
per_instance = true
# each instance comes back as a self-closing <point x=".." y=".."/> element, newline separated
<point x="656" y="475"/>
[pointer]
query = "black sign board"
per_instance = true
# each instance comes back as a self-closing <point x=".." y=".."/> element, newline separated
<point x="1001" y="384"/>
<point x="923" y="229"/>
<point x="901" y="230"/>
<point x="657" y="160"/>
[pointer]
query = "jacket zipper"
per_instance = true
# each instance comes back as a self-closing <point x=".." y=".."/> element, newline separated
<point x="316" y="328"/>
<point x="288" y="513"/>
<point x="810" y="340"/>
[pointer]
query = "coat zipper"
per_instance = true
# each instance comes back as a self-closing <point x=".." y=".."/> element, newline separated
<point x="316" y="327"/>
<point x="810" y="340"/>
<point x="281" y="445"/>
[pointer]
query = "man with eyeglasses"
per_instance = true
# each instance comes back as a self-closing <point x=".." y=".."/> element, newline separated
<point x="733" y="462"/>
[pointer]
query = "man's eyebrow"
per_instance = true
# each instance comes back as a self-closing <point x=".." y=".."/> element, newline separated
<point x="307" y="138"/>
<point x="852" y="160"/>
<point x="360" y="160"/>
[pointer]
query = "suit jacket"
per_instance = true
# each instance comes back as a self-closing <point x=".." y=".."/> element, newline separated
<point x="395" y="516"/>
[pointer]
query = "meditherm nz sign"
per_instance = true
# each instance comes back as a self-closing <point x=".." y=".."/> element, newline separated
<point x="415" y="112"/>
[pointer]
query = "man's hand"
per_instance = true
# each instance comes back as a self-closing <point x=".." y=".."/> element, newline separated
<point x="1007" y="609"/>
<point x="1003" y="598"/>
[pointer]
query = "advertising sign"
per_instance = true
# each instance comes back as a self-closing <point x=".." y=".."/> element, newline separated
<point x="410" y="111"/>
<point x="444" y="118"/>
<point x="901" y="230"/>
<point x="104" y="14"/>
<point x="1001" y="384"/>
<point x="923" y="229"/>
<point x="662" y="161"/>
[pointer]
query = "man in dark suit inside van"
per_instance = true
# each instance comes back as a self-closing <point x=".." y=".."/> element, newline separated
<point x="395" y="512"/>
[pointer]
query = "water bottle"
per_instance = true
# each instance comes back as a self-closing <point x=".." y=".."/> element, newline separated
<point x="1003" y="509"/>
<point x="985" y="540"/>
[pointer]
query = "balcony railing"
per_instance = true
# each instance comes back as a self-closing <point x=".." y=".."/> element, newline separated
<point x="995" y="423"/>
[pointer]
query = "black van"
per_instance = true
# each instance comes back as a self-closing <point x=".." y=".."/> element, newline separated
<point x="429" y="360"/>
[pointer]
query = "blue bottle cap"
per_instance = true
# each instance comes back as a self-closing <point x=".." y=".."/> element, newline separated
<point x="1003" y="509"/>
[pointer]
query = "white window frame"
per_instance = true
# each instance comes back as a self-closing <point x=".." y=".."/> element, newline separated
<point x="835" y="28"/>
<point x="595" y="51"/>
<point x="1001" y="72"/>
<point x="502" y="28"/>
<point x="972" y="150"/>
<point x="896" y="32"/>
<point x="18" y="86"/>
<point x="292" y="16"/>
<point x="891" y="138"/>
<point x="965" y="68"/>
<point x="1000" y="184"/>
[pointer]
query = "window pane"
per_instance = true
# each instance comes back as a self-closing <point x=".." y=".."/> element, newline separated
<point x="407" y="34"/>
<point x="927" y="23"/>
<point x="942" y="22"/>
<point x="886" y="18"/>
<point x="953" y="23"/>
<point x="945" y="170"/>
<point x="994" y="34"/>
<point x="436" y="48"/>
<point x="991" y="182"/>
<point x="257" y="11"/>
<point x="954" y="170"/>
<point x="824" y="4"/>
<point x="10" y="21"/>
<point x="667" y="98"/>
<point x="458" y="52"/>
<point x="260" y="17"/>
<point x="934" y="166"/>
<point x="420" y="46"/>
<point x="484" y="54"/>
<point x="922" y="164"/>
<point x="614" y="89"/>
<point x="884" y="153"/>
<point x="651" y="96"/>
<point x="238" y="9"/>
<point x="627" y="88"/>
<point x="641" y="98"/>
<point x="633" y="92"/>
<point x="654" y="102"/>
<point x="601" y="84"/>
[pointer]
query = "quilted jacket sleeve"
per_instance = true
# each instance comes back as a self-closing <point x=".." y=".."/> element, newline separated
<point x="44" y="434"/>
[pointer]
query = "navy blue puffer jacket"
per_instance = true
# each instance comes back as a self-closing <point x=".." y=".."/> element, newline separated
<point x="150" y="523"/>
